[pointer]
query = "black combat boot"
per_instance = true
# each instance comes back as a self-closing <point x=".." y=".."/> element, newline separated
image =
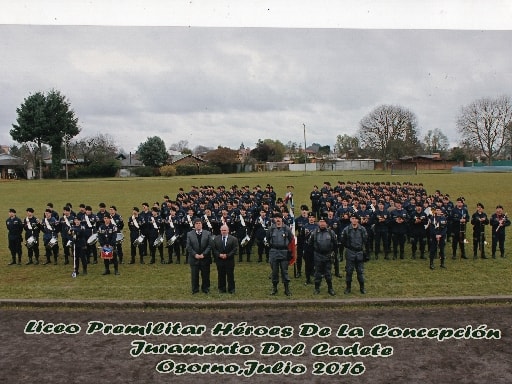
<point x="29" y="261"/>
<point x="106" y="272"/>
<point x="274" y="290"/>
<point x="287" y="289"/>
<point x="13" y="262"/>
<point x="442" y="263"/>
<point x="132" y="260"/>
<point x="116" y="271"/>
<point x="348" y="289"/>
<point x="317" y="288"/>
<point x="330" y="290"/>
<point x="361" y="288"/>
<point x="142" y="259"/>
<point x="414" y="255"/>
<point x="432" y="264"/>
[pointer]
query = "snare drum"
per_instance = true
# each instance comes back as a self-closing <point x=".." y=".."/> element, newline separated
<point x="139" y="240"/>
<point x="172" y="240"/>
<point x="31" y="241"/>
<point x="119" y="238"/>
<point x="107" y="253"/>
<point x="52" y="243"/>
<point x="92" y="239"/>
<point x="158" y="241"/>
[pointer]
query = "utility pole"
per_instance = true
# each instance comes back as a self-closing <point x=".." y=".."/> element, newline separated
<point x="305" y="153"/>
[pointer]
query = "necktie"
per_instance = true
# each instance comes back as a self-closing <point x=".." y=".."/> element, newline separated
<point x="224" y="241"/>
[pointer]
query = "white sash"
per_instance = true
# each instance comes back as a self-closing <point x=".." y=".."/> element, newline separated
<point x="207" y="221"/>
<point x="113" y="220"/>
<point x="170" y="222"/>
<point x="242" y="221"/>
<point x="135" y="222"/>
<point x="66" y="221"/>
<point x="29" y="226"/>
<point x="189" y="219"/>
<point x="47" y="223"/>
<point x="88" y="221"/>
<point x="154" y="223"/>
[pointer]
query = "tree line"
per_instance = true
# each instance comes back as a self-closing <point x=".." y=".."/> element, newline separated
<point x="46" y="125"/>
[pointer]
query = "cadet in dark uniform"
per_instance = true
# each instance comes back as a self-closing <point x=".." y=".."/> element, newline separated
<point x="300" y="223"/>
<point x="354" y="238"/>
<point x="91" y="226"/>
<point x="398" y="223"/>
<point x="381" y="230"/>
<point x="65" y="225"/>
<point x="438" y="229"/>
<point x="31" y="225"/>
<point x="134" y="225"/>
<point x="50" y="226"/>
<point x="172" y="234"/>
<point x="117" y="220"/>
<point x="309" y="257"/>
<point x="79" y="235"/>
<point x="14" y="235"/>
<point x="261" y="228"/>
<point x="324" y="243"/>
<point x="417" y="230"/>
<point x="479" y="220"/>
<point x="278" y="238"/>
<point x="155" y="231"/>
<point x="499" y="221"/>
<point x="107" y="236"/>
<point x="459" y="216"/>
<point x="315" y="196"/>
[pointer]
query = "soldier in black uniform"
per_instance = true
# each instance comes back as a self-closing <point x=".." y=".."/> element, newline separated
<point x="309" y="257"/>
<point x="50" y="228"/>
<point x="479" y="220"/>
<point x="79" y="235"/>
<point x="278" y="238"/>
<point x="458" y="218"/>
<point x="172" y="234"/>
<point x="398" y="223"/>
<point x="117" y="220"/>
<point x="499" y="221"/>
<point x="65" y="225"/>
<point x="107" y="236"/>
<point x="90" y="221"/>
<point x="315" y="196"/>
<point x="438" y="230"/>
<point x="354" y="238"/>
<point x="14" y="235"/>
<point x="31" y="225"/>
<point x="324" y="243"/>
<point x="381" y="230"/>
<point x="300" y="223"/>
<point x="156" y="230"/>
<point x="134" y="225"/>
<point x="417" y="230"/>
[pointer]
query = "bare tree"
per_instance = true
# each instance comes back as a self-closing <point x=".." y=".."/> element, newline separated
<point x="389" y="128"/>
<point x="483" y="124"/>
<point x="97" y="149"/>
<point x="180" y="146"/>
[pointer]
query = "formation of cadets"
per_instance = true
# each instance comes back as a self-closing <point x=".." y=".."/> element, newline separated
<point x="393" y="215"/>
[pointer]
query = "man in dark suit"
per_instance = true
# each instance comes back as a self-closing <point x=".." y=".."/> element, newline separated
<point x="199" y="248"/>
<point x="225" y="248"/>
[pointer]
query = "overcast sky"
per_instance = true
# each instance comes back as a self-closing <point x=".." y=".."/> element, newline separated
<point x="230" y="85"/>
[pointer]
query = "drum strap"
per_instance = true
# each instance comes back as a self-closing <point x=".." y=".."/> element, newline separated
<point x="47" y="223"/>
<point x="154" y="223"/>
<point x="67" y="221"/>
<point x="170" y="222"/>
<point x="88" y="221"/>
<point x="29" y="226"/>
<point x="135" y="222"/>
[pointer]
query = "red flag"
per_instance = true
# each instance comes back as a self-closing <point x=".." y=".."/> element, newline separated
<point x="292" y="247"/>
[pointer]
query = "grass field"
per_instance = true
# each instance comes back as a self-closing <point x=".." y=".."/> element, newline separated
<point x="398" y="278"/>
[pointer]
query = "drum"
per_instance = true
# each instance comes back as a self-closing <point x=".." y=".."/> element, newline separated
<point x="92" y="239"/>
<point x="139" y="240"/>
<point x="31" y="241"/>
<point x="158" y="241"/>
<point x="119" y="238"/>
<point x="52" y="243"/>
<point x="245" y="241"/>
<point x="106" y="253"/>
<point x="172" y="240"/>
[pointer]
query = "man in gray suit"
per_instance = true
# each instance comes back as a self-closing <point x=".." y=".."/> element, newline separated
<point x="199" y="248"/>
<point x="225" y="248"/>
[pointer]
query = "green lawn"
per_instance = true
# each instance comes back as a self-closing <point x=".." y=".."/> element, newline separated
<point x="393" y="278"/>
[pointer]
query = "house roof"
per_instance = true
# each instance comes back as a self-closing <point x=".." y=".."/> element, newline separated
<point x="174" y="159"/>
<point x="9" y="160"/>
